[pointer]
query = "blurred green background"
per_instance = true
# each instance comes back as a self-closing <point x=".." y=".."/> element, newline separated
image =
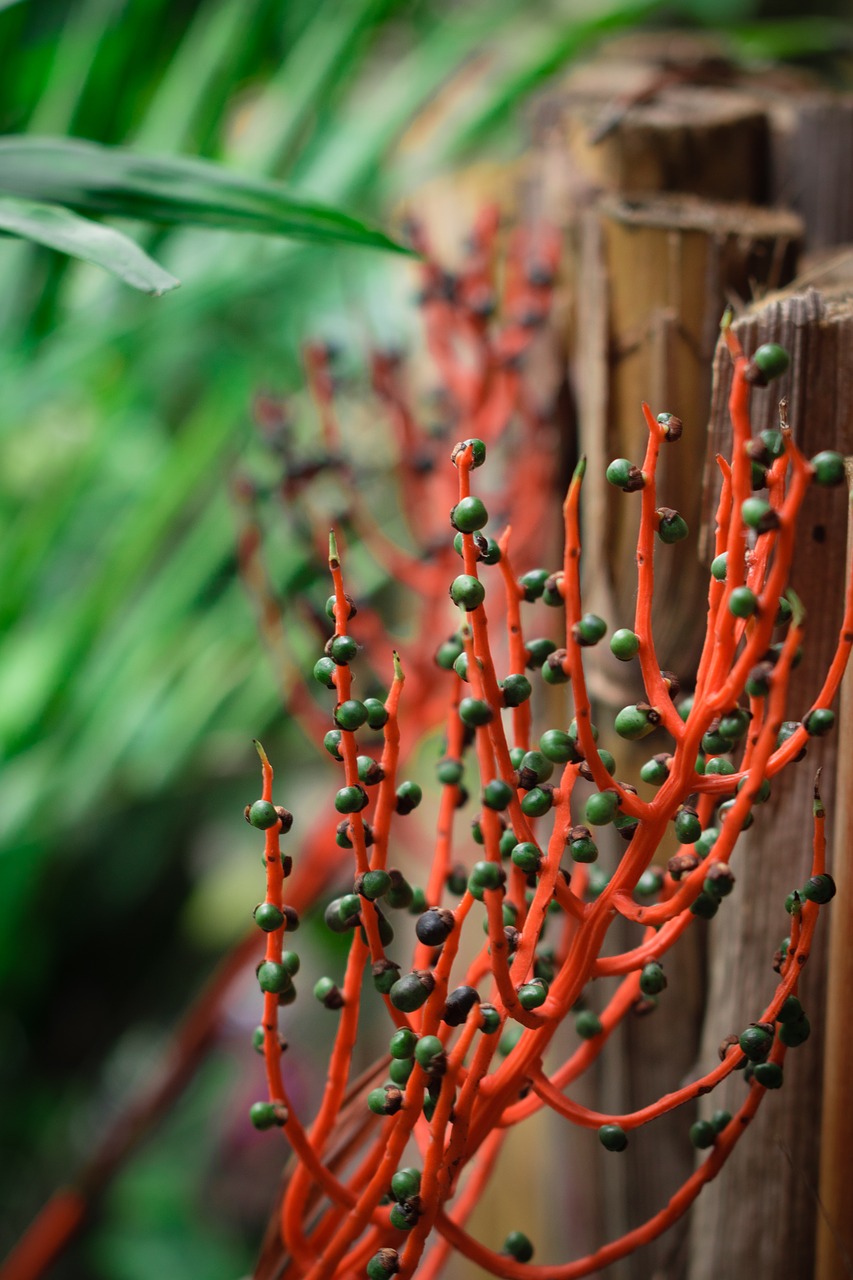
<point x="131" y="677"/>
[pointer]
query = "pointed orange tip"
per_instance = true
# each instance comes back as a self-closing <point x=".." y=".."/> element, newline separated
<point x="260" y="750"/>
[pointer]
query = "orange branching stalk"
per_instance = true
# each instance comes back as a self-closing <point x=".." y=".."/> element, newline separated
<point x="388" y="1172"/>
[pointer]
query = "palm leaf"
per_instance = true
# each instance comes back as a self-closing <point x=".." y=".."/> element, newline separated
<point x="59" y="228"/>
<point x="114" y="180"/>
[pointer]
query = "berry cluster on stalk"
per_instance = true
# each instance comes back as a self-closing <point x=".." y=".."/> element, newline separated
<point x="469" y="1026"/>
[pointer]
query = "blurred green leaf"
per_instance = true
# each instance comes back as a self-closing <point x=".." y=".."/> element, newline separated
<point x="790" y="38"/>
<point x="114" y="180"/>
<point x="59" y="228"/>
<point x="537" y="64"/>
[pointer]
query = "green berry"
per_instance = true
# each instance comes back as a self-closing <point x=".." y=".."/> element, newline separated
<point x="688" y="828"/>
<point x="268" y="917"/>
<point x="791" y="1011"/>
<point x="656" y="770"/>
<point x="342" y="914"/>
<point x="758" y="681"/>
<point x="478" y="451"/>
<point x="328" y="993"/>
<point x="324" y="671"/>
<point x="469" y="514"/>
<point x="720" y="880"/>
<point x="719" y="766"/>
<point x="507" y="842"/>
<point x="490" y="1019"/>
<point x="771" y="360"/>
<point x="265" y="1115"/>
<point x="532" y="994"/>
<point x="384" y="974"/>
<point x="755" y="1043"/>
<point x="370" y="772"/>
<point x="532" y="584"/>
<point x="332" y="743"/>
<point x="399" y="1070"/>
<point x="583" y="849"/>
<point x="331" y="607"/>
<point x="518" y="1246"/>
<point x="490" y="553"/>
<point x="554" y="668"/>
<point x="263" y="815"/>
<point x="601" y="808"/>
<point x="403" y="1217"/>
<point x="622" y="474"/>
<point x="588" y="1025"/>
<point x="613" y="1137"/>
<point x="377" y="715"/>
<point x="820" y="889"/>
<point x="527" y="857"/>
<point x="705" y="907"/>
<point x="385" y="1101"/>
<point x="552" y="594"/>
<point x="636" y="721"/>
<point x="624" y="644"/>
<point x="350" y="715"/>
<point x="342" y="649"/>
<point x="409" y="796"/>
<point x="557" y="746"/>
<point x="793" y="1034"/>
<point x="672" y="527"/>
<point x="817" y="723"/>
<point x="743" y="603"/>
<point x="373" y="884"/>
<point x="759" y="515"/>
<point x="719" y="565"/>
<point x="725" y="809"/>
<point x="533" y="768"/>
<point x="447" y="653"/>
<point x="401" y="894"/>
<point x="485" y="875"/>
<point x="734" y="724"/>
<point x="652" y="979"/>
<point x="351" y="799"/>
<point x="589" y="630"/>
<point x="406" y="1183"/>
<point x="649" y="884"/>
<point x="449" y="772"/>
<point x="537" y="802"/>
<point x="497" y="794"/>
<point x="828" y="467"/>
<point x="719" y="1120"/>
<point x="411" y="991"/>
<point x="467" y="592"/>
<point x="538" y="652"/>
<point x="402" y="1043"/>
<point x="762" y="795"/>
<point x="597" y="883"/>
<point x="768" y="1074"/>
<point x="516" y="690"/>
<point x="702" y="1134"/>
<point x="474" y="712"/>
<point x="427" y="1050"/>
<point x="273" y="977"/>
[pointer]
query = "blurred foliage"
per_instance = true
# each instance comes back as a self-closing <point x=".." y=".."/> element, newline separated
<point x="131" y="679"/>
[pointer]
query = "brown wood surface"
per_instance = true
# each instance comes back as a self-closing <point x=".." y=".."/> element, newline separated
<point x="764" y="1206"/>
